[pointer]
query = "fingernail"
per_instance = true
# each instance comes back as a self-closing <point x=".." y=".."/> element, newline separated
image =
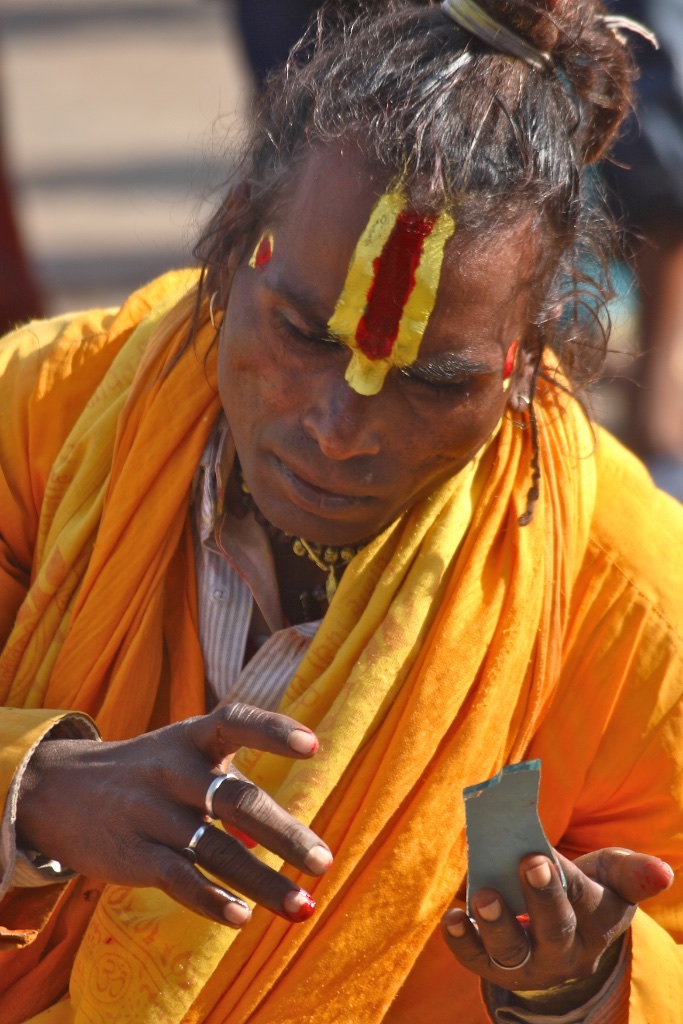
<point x="490" y="911"/>
<point x="669" y="871"/>
<point x="236" y="913"/>
<point x="318" y="860"/>
<point x="298" y="905"/>
<point x="454" y="923"/>
<point x="539" y="876"/>
<point x="303" y="742"/>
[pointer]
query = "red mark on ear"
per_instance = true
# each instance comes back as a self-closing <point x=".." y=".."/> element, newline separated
<point x="264" y="252"/>
<point x="510" y="357"/>
<point x="392" y="284"/>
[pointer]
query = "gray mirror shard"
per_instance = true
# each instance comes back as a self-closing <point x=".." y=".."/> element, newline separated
<point x="503" y="826"/>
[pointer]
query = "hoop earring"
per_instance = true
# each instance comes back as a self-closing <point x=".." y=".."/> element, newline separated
<point x="212" y="317"/>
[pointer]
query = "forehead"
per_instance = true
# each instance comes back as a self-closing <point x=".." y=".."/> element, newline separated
<point x="485" y="283"/>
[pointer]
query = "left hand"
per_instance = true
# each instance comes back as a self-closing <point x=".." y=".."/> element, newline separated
<point x="567" y="933"/>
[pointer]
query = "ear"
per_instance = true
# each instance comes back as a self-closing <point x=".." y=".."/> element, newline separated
<point x="522" y="378"/>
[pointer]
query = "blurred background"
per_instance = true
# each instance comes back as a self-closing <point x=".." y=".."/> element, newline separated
<point x="115" y="118"/>
<point x="116" y="121"/>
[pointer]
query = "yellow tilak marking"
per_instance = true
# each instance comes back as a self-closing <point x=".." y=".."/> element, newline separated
<point x="364" y="375"/>
<point x="422" y="299"/>
<point x="361" y="273"/>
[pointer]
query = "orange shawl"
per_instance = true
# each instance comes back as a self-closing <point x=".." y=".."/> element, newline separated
<point x="432" y="669"/>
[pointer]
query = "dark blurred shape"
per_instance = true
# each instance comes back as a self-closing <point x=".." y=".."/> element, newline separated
<point x="649" y="190"/>
<point x="19" y="296"/>
<point x="270" y="28"/>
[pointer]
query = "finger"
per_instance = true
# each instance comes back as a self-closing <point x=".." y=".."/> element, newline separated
<point x="504" y="939"/>
<point x="552" y="915"/>
<point x="463" y="940"/>
<point x="184" y="884"/>
<point x="227" y="859"/>
<point x="633" y="876"/>
<point x="242" y="805"/>
<point x="221" y="733"/>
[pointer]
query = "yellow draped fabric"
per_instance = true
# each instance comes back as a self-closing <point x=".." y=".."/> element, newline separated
<point x="435" y="666"/>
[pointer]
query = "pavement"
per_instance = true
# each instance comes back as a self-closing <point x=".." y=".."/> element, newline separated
<point x="118" y="121"/>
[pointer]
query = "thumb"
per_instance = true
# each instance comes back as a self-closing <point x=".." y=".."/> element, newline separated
<point x="633" y="876"/>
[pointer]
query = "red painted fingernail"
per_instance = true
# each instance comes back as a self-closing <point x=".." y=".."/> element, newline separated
<point x="298" y="905"/>
<point x="237" y="833"/>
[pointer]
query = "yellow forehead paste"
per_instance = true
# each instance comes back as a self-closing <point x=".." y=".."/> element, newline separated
<point x="390" y="290"/>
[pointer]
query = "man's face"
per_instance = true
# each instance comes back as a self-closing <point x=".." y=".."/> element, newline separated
<point x="322" y="460"/>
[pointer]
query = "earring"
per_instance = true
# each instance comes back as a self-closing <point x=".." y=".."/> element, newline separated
<point x="212" y="317"/>
<point x="509" y="364"/>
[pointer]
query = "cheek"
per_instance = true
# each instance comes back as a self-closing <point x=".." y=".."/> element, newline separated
<point x="250" y="377"/>
<point x="445" y="435"/>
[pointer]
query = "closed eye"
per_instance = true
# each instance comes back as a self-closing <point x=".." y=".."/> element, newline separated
<point x="435" y="380"/>
<point x="297" y="332"/>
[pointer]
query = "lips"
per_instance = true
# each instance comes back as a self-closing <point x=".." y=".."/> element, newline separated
<point x="313" y="498"/>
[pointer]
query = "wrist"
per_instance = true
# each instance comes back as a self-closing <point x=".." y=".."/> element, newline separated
<point x="573" y="993"/>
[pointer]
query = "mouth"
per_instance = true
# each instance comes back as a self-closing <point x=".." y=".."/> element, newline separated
<point x="311" y="497"/>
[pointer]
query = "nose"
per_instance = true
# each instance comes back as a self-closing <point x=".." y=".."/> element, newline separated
<point x="343" y="423"/>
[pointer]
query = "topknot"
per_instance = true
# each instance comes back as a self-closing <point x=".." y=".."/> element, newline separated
<point x="591" y="60"/>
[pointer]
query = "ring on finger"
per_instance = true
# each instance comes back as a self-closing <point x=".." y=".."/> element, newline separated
<point x="513" y="967"/>
<point x="214" y="786"/>
<point x="190" y="851"/>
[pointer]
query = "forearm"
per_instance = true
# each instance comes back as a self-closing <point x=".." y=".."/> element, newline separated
<point x="21" y="731"/>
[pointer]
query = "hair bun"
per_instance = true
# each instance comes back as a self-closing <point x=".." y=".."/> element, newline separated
<point x="590" y="55"/>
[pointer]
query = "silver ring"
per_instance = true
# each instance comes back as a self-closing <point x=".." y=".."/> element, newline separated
<point x="189" y="851"/>
<point x="513" y="967"/>
<point x="211" y="792"/>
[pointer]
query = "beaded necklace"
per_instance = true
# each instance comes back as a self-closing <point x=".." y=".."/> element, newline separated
<point x="328" y="558"/>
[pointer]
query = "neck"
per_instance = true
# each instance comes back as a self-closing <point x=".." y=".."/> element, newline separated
<point x="307" y="573"/>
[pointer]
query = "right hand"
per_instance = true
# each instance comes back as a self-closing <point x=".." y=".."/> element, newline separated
<point x="122" y="812"/>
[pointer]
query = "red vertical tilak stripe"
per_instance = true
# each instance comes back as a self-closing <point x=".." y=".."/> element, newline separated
<point x="392" y="284"/>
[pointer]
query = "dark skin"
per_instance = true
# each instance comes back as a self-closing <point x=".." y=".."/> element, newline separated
<point x="335" y="467"/>
<point x="575" y="936"/>
<point x="139" y="801"/>
<point x="322" y="461"/>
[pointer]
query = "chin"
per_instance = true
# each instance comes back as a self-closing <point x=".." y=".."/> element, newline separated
<point x="322" y="530"/>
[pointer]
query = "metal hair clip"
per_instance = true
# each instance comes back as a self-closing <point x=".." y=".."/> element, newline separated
<point x="469" y="16"/>
<point x="618" y="24"/>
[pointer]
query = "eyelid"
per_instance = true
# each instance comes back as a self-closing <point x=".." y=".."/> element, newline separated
<point x="293" y="320"/>
<point x="307" y="333"/>
<point x="433" y="380"/>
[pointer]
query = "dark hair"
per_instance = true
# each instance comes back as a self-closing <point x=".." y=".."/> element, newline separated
<point x="465" y="127"/>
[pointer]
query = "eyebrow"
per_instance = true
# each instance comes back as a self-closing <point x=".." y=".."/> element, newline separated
<point x="440" y="368"/>
<point x="445" y="367"/>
